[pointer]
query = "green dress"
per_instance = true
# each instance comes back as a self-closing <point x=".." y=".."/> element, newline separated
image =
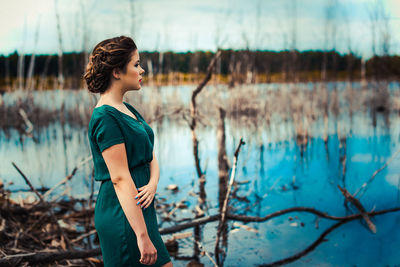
<point x="109" y="126"/>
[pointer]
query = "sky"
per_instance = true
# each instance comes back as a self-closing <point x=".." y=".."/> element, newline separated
<point x="189" y="25"/>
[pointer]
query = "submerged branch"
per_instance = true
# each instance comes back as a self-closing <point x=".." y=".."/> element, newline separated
<point x="244" y="218"/>
<point x="360" y="208"/>
<point x="47" y="257"/>
<point x="321" y="238"/>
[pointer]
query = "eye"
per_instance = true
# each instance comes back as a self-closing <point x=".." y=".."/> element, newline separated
<point x="136" y="65"/>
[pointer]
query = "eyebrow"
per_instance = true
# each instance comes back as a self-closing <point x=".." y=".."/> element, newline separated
<point x="138" y="61"/>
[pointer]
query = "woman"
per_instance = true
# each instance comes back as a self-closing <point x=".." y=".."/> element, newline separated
<point x="122" y="147"/>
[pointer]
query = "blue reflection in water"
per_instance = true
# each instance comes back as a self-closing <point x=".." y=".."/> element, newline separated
<point x="278" y="178"/>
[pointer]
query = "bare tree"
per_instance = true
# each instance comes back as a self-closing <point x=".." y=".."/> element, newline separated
<point x="30" y="82"/>
<point x="21" y="61"/>
<point x="43" y="76"/>
<point x="349" y="44"/>
<point x="373" y="19"/>
<point x="380" y="32"/>
<point x="160" y="63"/>
<point x="60" y="48"/>
<point x="293" y="45"/>
<point x="194" y="59"/>
<point x="219" y="37"/>
<point x="246" y="55"/>
<point x="385" y="31"/>
<point x="7" y="73"/>
<point x="380" y="36"/>
<point x="330" y="30"/>
<point x="136" y="14"/>
<point x="289" y="39"/>
<point x="167" y="69"/>
<point x="259" y="36"/>
<point x="150" y="63"/>
<point x="84" y="28"/>
<point x="85" y="13"/>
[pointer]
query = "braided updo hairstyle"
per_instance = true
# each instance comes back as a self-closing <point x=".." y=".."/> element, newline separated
<point x="107" y="55"/>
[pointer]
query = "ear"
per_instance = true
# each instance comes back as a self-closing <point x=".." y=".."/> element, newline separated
<point x="116" y="73"/>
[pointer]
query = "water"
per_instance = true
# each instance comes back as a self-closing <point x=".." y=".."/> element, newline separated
<point x="278" y="176"/>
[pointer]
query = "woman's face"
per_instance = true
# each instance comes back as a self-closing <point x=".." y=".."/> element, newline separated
<point x="132" y="78"/>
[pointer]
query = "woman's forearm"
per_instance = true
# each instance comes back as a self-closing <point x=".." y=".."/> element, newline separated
<point x="126" y="190"/>
<point x="154" y="171"/>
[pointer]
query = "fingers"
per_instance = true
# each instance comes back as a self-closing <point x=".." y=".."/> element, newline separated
<point x="147" y="202"/>
<point x="149" y="259"/>
<point x="142" y="260"/>
<point x="143" y="192"/>
<point x="142" y="198"/>
<point x="153" y="258"/>
<point x="145" y="259"/>
<point x="139" y="194"/>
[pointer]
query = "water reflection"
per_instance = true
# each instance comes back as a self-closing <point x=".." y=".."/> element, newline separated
<point x="277" y="169"/>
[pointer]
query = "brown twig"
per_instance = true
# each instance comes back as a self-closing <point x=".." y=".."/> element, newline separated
<point x="28" y="182"/>
<point x="165" y="114"/>
<point x="363" y="188"/>
<point x="68" y="177"/>
<point x="201" y="247"/>
<point x="193" y="111"/>
<point x="47" y="257"/>
<point x="225" y="205"/>
<point x="360" y="207"/>
<point x="52" y="216"/>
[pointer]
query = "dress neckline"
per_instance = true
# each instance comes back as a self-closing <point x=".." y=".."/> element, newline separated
<point x="133" y="111"/>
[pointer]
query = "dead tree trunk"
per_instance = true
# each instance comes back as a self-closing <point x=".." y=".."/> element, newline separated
<point x="60" y="49"/>
<point x="223" y="172"/>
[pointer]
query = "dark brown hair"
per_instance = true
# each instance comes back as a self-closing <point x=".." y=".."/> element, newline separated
<point x="108" y="54"/>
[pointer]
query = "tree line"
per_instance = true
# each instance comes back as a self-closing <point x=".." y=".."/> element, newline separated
<point x="231" y="61"/>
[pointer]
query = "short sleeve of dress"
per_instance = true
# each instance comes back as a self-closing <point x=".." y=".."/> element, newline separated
<point x="107" y="132"/>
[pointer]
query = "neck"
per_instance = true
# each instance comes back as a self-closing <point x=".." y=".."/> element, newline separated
<point x="113" y="95"/>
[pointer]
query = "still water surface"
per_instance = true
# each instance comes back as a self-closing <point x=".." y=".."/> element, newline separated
<point x="274" y="174"/>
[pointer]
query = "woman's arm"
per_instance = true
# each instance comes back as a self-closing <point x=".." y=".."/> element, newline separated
<point x="154" y="171"/>
<point x="125" y="189"/>
<point x="147" y="192"/>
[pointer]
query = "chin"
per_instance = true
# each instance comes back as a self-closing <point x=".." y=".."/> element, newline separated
<point x="137" y="87"/>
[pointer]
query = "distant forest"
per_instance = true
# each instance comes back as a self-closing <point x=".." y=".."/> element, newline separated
<point x="267" y="63"/>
